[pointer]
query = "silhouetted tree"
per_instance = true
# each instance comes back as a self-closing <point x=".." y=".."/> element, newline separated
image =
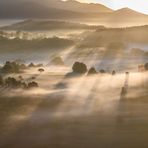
<point x="91" y="71"/>
<point x="31" y="65"/>
<point x="80" y="68"/>
<point x="12" y="82"/>
<point x="113" y="72"/>
<point x="33" y="85"/>
<point x="41" y="70"/>
<point x="146" y="66"/>
<point x="12" y="67"/>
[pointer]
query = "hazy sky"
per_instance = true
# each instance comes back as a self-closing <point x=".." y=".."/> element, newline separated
<point x="139" y="5"/>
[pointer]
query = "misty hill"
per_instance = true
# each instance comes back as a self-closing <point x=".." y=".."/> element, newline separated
<point x="40" y="25"/>
<point x="30" y="9"/>
<point x="120" y="37"/>
<point x="123" y="43"/>
<point x="17" y="45"/>
<point x="126" y="17"/>
<point x="70" y="10"/>
<point x="73" y="5"/>
<point x="56" y="9"/>
<point x="127" y="11"/>
<point x="128" y="14"/>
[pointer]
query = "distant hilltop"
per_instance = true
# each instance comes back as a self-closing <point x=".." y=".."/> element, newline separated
<point x="70" y="10"/>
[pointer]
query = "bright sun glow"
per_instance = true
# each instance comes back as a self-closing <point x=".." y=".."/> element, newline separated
<point x="140" y="6"/>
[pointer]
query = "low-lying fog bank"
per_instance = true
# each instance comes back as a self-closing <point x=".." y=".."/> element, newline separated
<point x="88" y="43"/>
<point x="49" y="100"/>
<point x="84" y="108"/>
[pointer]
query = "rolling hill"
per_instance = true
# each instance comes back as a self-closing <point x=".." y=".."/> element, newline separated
<point x="126" y="17"/>
<point x="127" y="13"/>
<point x="48" y="9"/>
<point x="73" y="5"/>
<point x="41" y="25"/>
<point x="71" y="10"/>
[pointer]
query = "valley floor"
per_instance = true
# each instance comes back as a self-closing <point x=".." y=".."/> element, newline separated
<point x="82" y="115"/>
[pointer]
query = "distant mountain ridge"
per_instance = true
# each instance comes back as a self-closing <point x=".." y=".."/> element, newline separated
<point x="127" y="11"/>
<point x="70" y="10"/>
<point x="30" y="9"/>
<point x="48" y="9"/>
<point x="73" y="5"/>
<point x="41" y="25"/>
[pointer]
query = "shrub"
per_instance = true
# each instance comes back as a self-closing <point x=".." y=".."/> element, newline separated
<point x="91" y="71"/>
<point x="79" y="68"/>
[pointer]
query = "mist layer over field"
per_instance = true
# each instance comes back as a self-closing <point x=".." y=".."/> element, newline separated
<point x="84" y="108"/>
<point x="69" y="110"/>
